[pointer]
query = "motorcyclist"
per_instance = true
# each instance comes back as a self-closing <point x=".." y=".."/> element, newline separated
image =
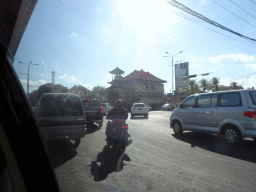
<point x="118" y="115"/>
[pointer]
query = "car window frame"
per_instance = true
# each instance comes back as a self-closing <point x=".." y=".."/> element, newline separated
<point x="197" y="106"/>
<point x="252" y="99"/>
<point x="196" y="98"/>
<point x="240" y="99"/>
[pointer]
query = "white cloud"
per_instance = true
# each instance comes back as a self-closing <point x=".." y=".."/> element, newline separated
<point x="224" y="81"/>
<point x="193" y="60"/>
<point x="74" y="34"/>
<point x="221" y="65"/>
<point x="253" y="66"/>
<point x="105" y="83"/>
<point x="33" y="83"/>
<point x="196" y="65"/>
<point x="213" y="59"/>
<point x="242" y="57"/>
<point x="251" y="82"/>
<point x="108" y="76"/>
<point x="69" y="78"/>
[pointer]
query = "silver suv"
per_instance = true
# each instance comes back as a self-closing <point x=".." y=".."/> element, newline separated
<point x="228" y="113"/>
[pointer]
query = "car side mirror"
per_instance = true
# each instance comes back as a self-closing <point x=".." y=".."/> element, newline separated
<point x="181" y="105"/>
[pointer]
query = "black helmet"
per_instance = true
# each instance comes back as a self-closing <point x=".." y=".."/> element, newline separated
<point x="119" y="103"/>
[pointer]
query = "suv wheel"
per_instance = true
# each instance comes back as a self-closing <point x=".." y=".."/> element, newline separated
<point x="177" y="129"/>
<point x="232" y="135"/>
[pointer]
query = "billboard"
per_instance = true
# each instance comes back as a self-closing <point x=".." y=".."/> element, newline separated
<point x="181" y="70"/>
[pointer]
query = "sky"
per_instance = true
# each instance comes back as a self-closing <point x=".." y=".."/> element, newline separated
<point x="83" y="40"/>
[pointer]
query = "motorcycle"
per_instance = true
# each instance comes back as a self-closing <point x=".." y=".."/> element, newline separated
<point x="117" y="136"/>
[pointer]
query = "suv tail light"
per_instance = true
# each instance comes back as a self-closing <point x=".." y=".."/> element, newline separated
<point x="101" y="110"/>
<point x="145" y="107"/>
<point x="250" y="113"/>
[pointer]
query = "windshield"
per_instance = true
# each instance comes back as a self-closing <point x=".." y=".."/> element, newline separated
<point x="91" y="103"/>
<point x="139" y="105"/>
<point x="155" y="52"/>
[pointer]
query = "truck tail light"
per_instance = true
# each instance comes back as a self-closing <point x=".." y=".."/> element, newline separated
<point x="250" y="113"/>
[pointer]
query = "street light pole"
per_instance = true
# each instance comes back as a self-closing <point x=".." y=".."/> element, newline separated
<point x="172" y="70"/>
<point x="29" y="65"/>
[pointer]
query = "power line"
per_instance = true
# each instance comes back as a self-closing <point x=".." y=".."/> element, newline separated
<point x="243" y="9"/>
<point x="233" y="13"/>
<point x="253" y="1"/>
<point x="196" y="22"/>
<point x="241" y="77"/>
<point x="191" y="12"/>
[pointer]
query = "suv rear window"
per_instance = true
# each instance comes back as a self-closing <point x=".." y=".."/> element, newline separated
<point x="253" y="97"/>
<point x="139" y="105"/>
<point x="55" y="106"/>
<point x="91" y="103"/>
<point x="230" y="99"/>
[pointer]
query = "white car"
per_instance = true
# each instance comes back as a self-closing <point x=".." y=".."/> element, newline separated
<point x="106" y="108"/>
<point x="139" y="109"/>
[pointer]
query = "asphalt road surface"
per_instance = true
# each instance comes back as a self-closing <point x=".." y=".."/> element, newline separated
<point x="157" y="160"/>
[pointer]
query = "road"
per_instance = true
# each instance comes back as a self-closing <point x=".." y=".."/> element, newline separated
<point x="157" y="160"/>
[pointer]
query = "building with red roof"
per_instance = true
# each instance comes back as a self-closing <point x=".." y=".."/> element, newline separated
<point x="140" y="85"/>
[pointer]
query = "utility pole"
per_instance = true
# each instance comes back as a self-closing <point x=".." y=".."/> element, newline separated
<point x="172" y="70"/>
<point x="28" y="65"/>
<point x="53" y="77"/>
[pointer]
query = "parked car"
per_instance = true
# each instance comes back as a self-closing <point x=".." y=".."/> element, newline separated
<point x="94" y="112"/>
<point x="139" y="109"/>
<point x="61" y="116"/>
<point x="106" y="108"/>
<point x="166" y="106"/>
<point x="229" y="113"/>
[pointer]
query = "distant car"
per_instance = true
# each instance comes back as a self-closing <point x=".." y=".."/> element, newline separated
<point x="139" y="109"/>
<point x="94" y="112"/>
<point x="166" y="106"/>
<point x="61" y="116"/>
<point x="106" y="108"/>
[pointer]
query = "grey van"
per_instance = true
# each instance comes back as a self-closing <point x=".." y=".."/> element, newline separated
<point x="61" y="116"/>
<point x="228" y="113"/>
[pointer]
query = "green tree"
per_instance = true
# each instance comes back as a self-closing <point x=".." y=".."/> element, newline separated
<point x="99" y="92"/>
<point x="214" y="84"/>
<point x="34" y="96"/>
<point x="235" y="86"/>
<point x="112" y="95"/>
<point x="192" y="87"/>
<point x="204" y="85"/>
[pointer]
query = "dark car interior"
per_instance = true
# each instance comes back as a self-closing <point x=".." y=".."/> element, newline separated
<point x="25" y="162"/>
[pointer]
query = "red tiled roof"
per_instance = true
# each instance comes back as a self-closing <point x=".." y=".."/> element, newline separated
<point x="146" y="76"/>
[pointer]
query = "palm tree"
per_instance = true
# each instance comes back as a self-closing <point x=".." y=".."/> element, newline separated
<point x="215" y="84"/>
<point x="204" y="85"/>
<point x="192" y="87"/>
